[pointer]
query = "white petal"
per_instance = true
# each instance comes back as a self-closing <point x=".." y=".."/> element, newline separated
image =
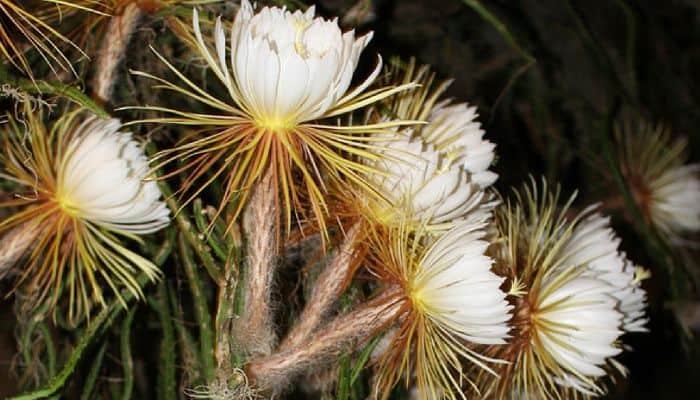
<point x="101" y="180"/>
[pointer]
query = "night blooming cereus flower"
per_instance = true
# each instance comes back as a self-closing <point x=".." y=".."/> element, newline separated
<point x="574" y="294"/>
<point x="84" y="187"/>
<point x="453" y="129"/>
<point x="595" y="245"/>
<point x="432" y="174"/>
<point x="452" y="298"/>
<point x="285" y="72"/>
<point x="420" y="187"/>
<point x="666" y="189"/>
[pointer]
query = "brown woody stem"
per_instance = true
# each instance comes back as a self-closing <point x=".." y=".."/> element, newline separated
<point x="15" y="244"/>
<point x="254" y="327"/>
<point x="114" y="44"/>
<point x="326" y="291"/>
<point x="345" y="333"/>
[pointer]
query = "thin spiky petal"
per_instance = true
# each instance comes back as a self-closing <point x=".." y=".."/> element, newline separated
<point x="38" y="31"/>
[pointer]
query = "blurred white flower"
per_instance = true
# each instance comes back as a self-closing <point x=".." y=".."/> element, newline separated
<point x="594" y="245"/>
<point x="674" y="199"/>
<point x="454" y="130"/>
<point x="665" y="188"/>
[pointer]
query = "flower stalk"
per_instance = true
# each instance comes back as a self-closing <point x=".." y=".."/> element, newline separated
<point x="206" y="336"/>
<point x="114" y="44"/>
<point x="327" y="289"/>
<point x="344" y="333"/>
<point x="14" y="245"/>
<point x="254" y="327"/>
<point x="226" y="308"/>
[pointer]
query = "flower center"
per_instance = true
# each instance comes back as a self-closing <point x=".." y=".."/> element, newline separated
<point x="389" y="211"/>
<point x="66" y="204"/>
<point x="419" y="298"/>
<point x="274" y="124"/>
<point x="641" y="194"/>
<point x="522" y="320"/>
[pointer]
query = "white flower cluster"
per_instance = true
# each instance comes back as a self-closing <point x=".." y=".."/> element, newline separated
<point x="434" y="180"/>
<point x="287" y="74"/>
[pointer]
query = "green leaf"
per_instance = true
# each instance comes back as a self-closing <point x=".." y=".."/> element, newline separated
<point x="362" y="359"/>
<point x="95" y="368"/>
<point x="127" y="359"/>
<point x="343" y="391"/>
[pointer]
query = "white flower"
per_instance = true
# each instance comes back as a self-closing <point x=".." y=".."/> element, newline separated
<point x="594" y="245"/>
<point x="577" y="325"/>
<point x="574" y="295"/>
<point x="286" y="75"/>
<point x="455" y="287"/>
<point x="453" y="129"/>
<point x="286" y="68"/>
<point x="84" y="191"/>
<point x="101" y="180"/>
<point x="455" y="301"/>
<point x="421" y="186"/>
<point x="674" y="204"/>
<point x="665" y="188"/>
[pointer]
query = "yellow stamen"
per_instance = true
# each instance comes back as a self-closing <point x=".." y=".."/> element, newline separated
<point x="274" y="124"/>
<point x="66" y="204"/>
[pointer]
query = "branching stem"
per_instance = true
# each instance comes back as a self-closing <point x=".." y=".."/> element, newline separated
<point x="345" y="333"/>
<point x="326" y="291"/>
